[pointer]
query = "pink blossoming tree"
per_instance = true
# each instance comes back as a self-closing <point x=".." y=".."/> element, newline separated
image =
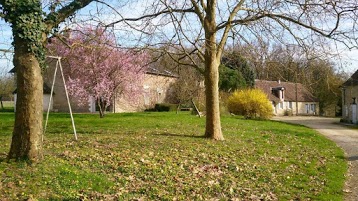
<point x="95" y="67"/>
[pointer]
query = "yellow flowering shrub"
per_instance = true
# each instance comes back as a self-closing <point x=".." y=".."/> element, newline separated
<point x="252" y="103"/>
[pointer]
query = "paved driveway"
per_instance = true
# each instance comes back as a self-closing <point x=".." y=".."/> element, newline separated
<point x="343" y="136"/>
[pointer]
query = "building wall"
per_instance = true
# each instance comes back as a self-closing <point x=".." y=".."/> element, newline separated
<point x="156" y="89"/>
<point x="304" y="108"/>
<point x="59" y="98"/>
<point x="46" y="100"/>
<point x="348" y="93"/>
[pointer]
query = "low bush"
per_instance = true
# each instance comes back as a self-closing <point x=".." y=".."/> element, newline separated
<point x="288" y="112"/>
<point x="251" y="103"/>
<point x="165" y="107"/>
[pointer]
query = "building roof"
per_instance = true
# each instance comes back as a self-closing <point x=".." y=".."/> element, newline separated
<point x="12" y="70"/>
<point x="155" y="71"/>
<point x="149" y="70"/>
<point x="352" y="81"/>
<point x="303" y="95"/>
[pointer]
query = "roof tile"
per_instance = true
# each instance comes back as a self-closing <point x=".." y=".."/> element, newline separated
<point x="303" y="95"/>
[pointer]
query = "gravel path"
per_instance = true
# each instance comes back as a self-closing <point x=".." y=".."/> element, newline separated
<point x="344" y="137"/>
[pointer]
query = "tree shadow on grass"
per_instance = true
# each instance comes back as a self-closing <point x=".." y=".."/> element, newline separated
<point x="349" y="158"/>
<point x="288" y="123"/>
<point x="178" y="135"/>
<point x="352" y="158"/>
<point x="3" y="158"/>
<point x="7" y="110"/>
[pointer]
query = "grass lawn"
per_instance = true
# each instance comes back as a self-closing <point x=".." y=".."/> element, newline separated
<point x="162" y="156"/>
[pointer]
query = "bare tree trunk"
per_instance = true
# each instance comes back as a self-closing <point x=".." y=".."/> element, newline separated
<point x="178" y="108"/>
<point x="100" y="107"/>
<point x="26" y="140"/>
<point x="213" y="124"/>
<point x="2" y="106"/>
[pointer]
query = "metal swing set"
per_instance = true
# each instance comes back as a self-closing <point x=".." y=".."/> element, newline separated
<point x="59" y="65"/>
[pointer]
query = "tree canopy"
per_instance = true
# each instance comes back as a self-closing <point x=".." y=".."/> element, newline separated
<point x="230" y="79"/>
<point x="244" y="75"/>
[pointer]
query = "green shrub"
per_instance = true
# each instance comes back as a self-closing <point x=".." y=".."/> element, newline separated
<point x="288" y="112"/>
<point x="251" y="103"/>
<point x="223" y="102"/>
<point x="165" y="107"/>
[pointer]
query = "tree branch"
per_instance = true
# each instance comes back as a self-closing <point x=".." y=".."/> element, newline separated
<point x="310" y="27"/>
<point x="192" y="62"/>
<point x="198" y="12"/>
<point x="227" y="29"/>
<point x="203" y="4"/>
<point x="55" y="18"/>
<point x="273" y="16"/>
<point x="6" y="51"/>
<point x="188" y="10"/>
<point x="179" y="29"/>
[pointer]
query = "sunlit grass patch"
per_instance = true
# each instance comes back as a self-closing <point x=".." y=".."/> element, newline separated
<point x="163" y="156"/>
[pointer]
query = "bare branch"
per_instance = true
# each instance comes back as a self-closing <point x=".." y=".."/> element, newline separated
<point x="273" y="16"/>
<point x="197" y="10"/>
<point x="227" y="29"/>
<point x="6" y="51"/>
<point x="55" y="18"/>
<point x="179" y="29"/>
<point x="166" y="11"/>
<point x="310" y="27"/>
<point x="192" y="63"/>
<point x="203" y="4"/>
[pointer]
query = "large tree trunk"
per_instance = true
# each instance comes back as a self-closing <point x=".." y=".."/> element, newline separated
<point x="213" y="124"/>
<point x="26" y="140"/>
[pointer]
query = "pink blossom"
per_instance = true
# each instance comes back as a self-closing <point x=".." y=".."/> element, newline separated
<point x="94" y="66"/>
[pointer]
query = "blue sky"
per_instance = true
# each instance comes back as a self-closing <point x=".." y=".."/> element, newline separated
<point x="349" y="59"/>
<point x="5" y="43"/>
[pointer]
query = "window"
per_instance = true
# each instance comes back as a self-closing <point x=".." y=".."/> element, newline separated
<point x="290" y="104"/>
<point x="146" y="94"/>
<point x="313" y="108"/>
<point x="307" y="107"/>
<point x="160" y="98"/>
<point x="281" y="105"/>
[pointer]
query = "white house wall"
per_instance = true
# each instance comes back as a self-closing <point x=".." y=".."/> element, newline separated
<point x="302" y="110"/>
<point x="46" y="100"/>
<point x="348" y="94"/>
<point x="59" y="98"/>
<point x="156" y="88"/>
